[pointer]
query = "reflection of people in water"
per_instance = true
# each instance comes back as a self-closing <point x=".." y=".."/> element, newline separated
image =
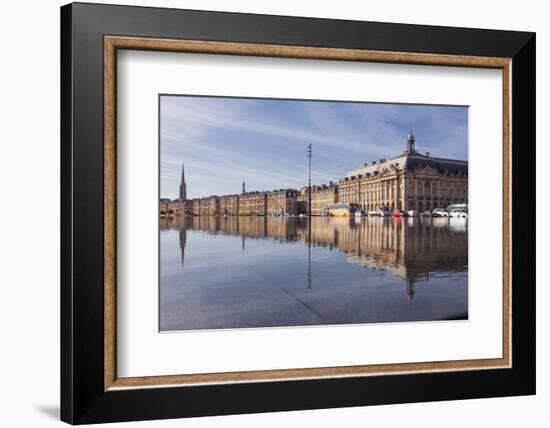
<point x="410" y="250"/>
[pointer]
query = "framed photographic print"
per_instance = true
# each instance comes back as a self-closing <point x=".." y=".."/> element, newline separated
<point x="265" y="213"/>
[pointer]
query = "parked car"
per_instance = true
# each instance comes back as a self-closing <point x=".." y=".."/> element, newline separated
<point x="427" y="214"/>
<point x="384" y="212"/>
<point x="399" y="213"/>
<point x="440" y="212"/>
<point x="412" y="213"/>
<point x="457" y="213"/>
<point x="373" y="213"/>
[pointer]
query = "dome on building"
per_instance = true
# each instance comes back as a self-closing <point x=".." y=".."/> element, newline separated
<point x="410" y="142"/>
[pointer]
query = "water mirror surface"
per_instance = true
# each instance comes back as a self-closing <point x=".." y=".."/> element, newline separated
<point x="242" y="272"/>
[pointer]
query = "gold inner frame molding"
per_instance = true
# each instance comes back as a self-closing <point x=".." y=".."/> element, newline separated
<point x="113" y="43"/>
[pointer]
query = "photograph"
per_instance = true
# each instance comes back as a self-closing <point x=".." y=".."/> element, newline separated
<point x="264" y="211"/>
<point x="284" y="212"/>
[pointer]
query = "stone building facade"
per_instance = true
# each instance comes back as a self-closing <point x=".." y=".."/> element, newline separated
<point x="322" y="197"/>
<point x="302" y="200"/>
<point x="213" y="205"/>
<point x="409" y="181"/>
<point x="253" y="203"/>
<point x="376" y="186"/>
<point x="206" y="206"/>
<point x="282" y="202"/>
<point x="277" y="202"/>
<point x="176" y="207"/>
<point x="196" y="204"/>
<point x="229" y="204"/>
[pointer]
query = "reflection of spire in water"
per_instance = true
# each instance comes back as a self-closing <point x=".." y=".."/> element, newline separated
<point x="183" y="242"/>
<point x="410" y="289"/>
<point x="410" y="253"/>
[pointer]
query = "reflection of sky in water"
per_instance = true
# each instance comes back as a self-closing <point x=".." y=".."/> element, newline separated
<point x="240" y="275"/>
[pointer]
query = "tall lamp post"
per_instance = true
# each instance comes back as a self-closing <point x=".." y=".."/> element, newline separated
<point x="309" y="185"/>
<point x="309" y="222"/>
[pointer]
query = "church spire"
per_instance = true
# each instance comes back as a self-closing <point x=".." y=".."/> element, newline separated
<point x="183" y="186"/>
<point x="244" y="188"/>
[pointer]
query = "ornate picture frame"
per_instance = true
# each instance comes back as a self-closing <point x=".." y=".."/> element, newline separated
<point x="91" y="389"/>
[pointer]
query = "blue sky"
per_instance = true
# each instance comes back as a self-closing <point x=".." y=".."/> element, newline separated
<point x="223" y="141"/>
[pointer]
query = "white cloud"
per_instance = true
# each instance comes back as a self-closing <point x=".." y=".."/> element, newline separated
<point x="344" y="135"/>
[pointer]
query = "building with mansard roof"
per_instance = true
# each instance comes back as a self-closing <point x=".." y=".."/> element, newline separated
<point x="409" y="181"/>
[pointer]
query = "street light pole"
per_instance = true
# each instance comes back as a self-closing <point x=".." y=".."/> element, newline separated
<point x="309" y="185"/>
<point x="309" y="223"/>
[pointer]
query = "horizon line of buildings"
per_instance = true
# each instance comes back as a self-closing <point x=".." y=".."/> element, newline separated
<point x="409" y="181"/>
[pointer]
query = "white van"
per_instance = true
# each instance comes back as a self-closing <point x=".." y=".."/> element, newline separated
<point x="457" y="213"/>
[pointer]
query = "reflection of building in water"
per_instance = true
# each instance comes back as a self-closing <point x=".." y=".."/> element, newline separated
<point x="410" y="181"/>
<point x="282" y="230"/>
<point x="408" y="249"/>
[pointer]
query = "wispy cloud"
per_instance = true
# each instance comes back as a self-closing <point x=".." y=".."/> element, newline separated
<point x="225" y="140"/>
